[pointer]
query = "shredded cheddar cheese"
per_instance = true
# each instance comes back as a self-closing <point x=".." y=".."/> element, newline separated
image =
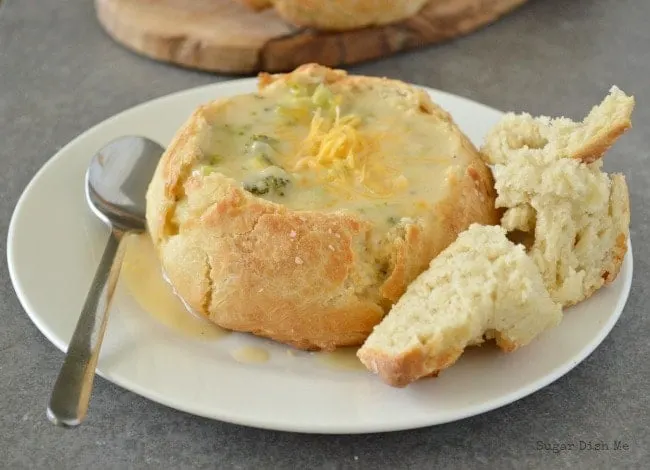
<point x="336" y="148"/>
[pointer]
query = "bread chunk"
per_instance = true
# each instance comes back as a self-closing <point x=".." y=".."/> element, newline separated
<point x="302" y="212"/>
<point x="573" y="217"/>
<point x="481" y="286"/>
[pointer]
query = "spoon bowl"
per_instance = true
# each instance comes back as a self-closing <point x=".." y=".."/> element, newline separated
<point x="116" y="185"/>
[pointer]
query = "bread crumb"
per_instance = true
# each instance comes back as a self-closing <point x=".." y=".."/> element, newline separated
<point x="337" y="235"/>
<point x="260" y="290"/>
<point x="292" y="234"/>
<point x="330" y="247"/>
<point x="298" y="260"/>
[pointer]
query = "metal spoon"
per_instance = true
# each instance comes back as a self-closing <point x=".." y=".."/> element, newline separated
<point x="116" y="184"/>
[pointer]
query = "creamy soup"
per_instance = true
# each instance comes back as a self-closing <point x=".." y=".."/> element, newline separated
<point x="311" y="148"/>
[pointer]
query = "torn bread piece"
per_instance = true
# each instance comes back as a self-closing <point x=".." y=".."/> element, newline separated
<point x="481" y="286"/>
<point x="573" y="217"/>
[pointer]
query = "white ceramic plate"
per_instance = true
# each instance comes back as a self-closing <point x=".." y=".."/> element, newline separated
<point x="54" y="247"/>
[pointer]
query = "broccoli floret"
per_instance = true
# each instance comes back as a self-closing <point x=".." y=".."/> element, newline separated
<point x="271" y="184"/>
<point x="214" y="159"/>
<point x="323" y="97"/>
<point x="273" y="180"/>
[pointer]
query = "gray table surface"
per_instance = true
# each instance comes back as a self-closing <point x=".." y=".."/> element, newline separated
<point x="59" y="75"/>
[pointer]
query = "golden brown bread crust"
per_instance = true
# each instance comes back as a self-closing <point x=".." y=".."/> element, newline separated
<point x="399" y="371"/>
<point x="596" y="148"/>
<point x="340" y="15"/>
<point x="621" y="203"/>
<point x="470" y="199"/>
<point x="300" y="277"/>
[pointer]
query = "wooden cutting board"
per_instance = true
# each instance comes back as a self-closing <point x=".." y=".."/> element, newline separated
<point x="225" y="36"/>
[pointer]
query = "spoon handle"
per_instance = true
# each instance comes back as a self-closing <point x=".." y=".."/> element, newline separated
<point x="71" y="394"/>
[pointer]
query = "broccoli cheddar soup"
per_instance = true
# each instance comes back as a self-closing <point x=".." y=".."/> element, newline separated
<point x="311" y="146"/>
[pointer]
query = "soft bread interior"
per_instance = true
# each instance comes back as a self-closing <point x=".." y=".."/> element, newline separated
<point x="553" y="139"/>
<point x="574" y="217"/>
<point x="481" y="285"/>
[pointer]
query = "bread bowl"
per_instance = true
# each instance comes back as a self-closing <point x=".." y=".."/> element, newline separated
<point x="365" y="180"/>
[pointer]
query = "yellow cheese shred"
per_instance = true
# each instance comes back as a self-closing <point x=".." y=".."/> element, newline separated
<point x="339" y="151"/>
